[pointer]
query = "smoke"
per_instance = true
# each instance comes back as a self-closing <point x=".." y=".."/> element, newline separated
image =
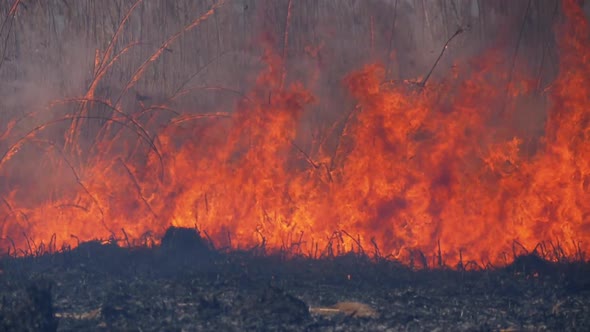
<point x="37" y="71"/>
<point x="51" y="46"/>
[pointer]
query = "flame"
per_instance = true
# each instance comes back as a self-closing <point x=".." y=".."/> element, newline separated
<point x="415" y="168"/>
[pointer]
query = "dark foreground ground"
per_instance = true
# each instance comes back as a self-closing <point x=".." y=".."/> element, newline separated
<point x="182" y="286"/>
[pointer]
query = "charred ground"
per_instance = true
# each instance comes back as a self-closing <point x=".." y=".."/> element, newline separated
<point x="185" y="285"/>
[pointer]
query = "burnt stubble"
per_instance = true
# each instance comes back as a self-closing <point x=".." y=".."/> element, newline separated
<point x="105" y="287"/>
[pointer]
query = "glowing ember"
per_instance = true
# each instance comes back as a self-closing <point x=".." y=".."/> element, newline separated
<point x="414" y="167"/>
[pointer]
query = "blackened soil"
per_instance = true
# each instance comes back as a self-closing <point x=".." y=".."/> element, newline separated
<point x="185" y="286"/>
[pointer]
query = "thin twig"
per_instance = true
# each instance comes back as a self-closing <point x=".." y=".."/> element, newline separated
<point x="511" y="72"/>
<point x="165" y="45"/>
<point x="342" y="133"/>
<point x="31" y="134"/>
<point x="213" y="88"/>
<point x="211" y="244"/>
<point x="286" y="43"/>
<point x="7" y="204"/>
<point x="77" y="206"/>
<point x="138" y="188"/>
<point x="190" y="117"/>
<point x="391" y="37"/>
<point x="357" y="241"/>
<point x="376" y="249"/>
<point x="138" y="128"/>
<point x="79" y="181"/>
<point x="102" y="68"/>
<point x="307" y="157"/>
<point x="195" y="74"/>
<point x="442" y="52"/>
<point x="126" y="237"/>
<point x="440" y="260"/>
<point x="9" y="16"/>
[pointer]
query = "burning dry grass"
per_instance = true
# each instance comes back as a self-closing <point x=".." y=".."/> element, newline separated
<point x="433" y="167"/>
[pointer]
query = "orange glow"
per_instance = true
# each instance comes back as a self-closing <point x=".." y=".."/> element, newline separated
<point x="414" y="168"/>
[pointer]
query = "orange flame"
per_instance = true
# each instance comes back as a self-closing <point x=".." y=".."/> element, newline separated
<point x="415" y="168"/>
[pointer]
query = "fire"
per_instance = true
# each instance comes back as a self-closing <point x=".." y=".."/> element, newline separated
<point x="414" y="168"/>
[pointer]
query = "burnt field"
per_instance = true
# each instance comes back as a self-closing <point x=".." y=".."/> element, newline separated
<point x="186" y="285"/>
<point x="352" y="165"/>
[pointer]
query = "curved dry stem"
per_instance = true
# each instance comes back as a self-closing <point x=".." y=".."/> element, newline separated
<point x="113" y="41"/>
<point x="111" y="107"/>
<point x="9" y="16"/>
<point x="345" y="127"/>
<point x="13" y="149"/>
<point x="103" y="67"/>
<point x="89" y="92"/>
<point x="138" y="188"/>
<point x="190" y="117"/>
<point x="6" y="203"/>
<point x="195" y="74"/>
<point x="286" y="42"/>
<point x="213" y="88"/>
<point x="165" y="45"/>
<point x="11" y="12"/>
<point x="160" y="107"/>
<point x="139" y="129"/>
<point x="79" y="181"/>
<point x="422" y="84"/>
<point x="11" y="124"/>
<point x="72" y="205"/>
